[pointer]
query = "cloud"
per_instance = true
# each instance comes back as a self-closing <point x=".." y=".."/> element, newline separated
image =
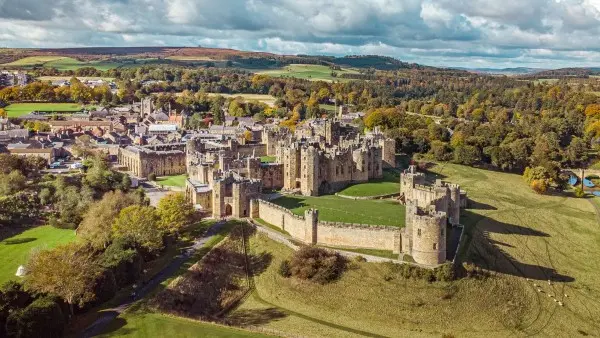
<point x="438" y="32"/>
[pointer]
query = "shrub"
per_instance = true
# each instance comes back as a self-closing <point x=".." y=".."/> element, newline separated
<point x="105" y="287"/>
<point x="152" y="177"/>
<point x="579" y="192"/>
<point x="539" y="186"/>
<point x="360" y="259"/>
<point x="284" y="269"/>
<point x="317" y="265"/>
<point x="42" y="318"/>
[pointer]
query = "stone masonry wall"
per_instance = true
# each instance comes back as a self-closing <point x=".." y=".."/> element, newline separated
<point x="330" y="233"/>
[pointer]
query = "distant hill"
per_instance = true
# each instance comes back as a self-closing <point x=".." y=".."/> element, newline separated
<point x="504" y="71"/>
<point x="203" y="55"/>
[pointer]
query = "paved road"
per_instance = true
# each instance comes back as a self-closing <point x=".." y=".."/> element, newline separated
<point x="109" y="315"/>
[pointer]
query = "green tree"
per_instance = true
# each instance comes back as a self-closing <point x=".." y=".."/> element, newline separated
<point x="175" y="212"/>
<point x="11" y="183"/>
<point x="140" y="225"/>
<point x="68" y="271"/>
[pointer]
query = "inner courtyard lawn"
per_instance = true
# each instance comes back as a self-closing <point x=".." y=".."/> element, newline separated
<point x="388" y="184"/>
<point x="19" y="109"/>
<point x="338" y="209"/>
<point x="15" y="251"/>
<point x="172" y="181"/>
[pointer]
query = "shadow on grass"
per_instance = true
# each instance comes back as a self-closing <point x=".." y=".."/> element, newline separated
<point x="18" y="240"/>
<point x="491" y="254"/>
<point x="254" y="317"/>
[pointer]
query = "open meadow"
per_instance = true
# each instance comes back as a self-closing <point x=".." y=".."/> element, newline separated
<point x="337" y="209"/>
<point x="515" y="234"/>
<point x="15" y="251"/>
<point x="309" y="72"/>
<point x="19" y="109"/>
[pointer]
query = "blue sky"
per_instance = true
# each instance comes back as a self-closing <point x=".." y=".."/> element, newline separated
<point x="475" y="33"/>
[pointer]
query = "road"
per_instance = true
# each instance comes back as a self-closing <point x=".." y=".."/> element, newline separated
<point x="107" y="316"/>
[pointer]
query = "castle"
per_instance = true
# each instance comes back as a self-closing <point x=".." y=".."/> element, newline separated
<point x="429" y="209"/>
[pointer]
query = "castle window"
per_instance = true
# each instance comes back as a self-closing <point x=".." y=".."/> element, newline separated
<point x="434" y="246"/>
<point x="419" y="232"/>
<point x="442" y="232"/>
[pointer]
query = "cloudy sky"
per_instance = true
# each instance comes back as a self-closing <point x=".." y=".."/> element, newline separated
<point x="468" y="33"/>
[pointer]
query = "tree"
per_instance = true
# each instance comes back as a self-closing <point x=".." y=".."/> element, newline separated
<point x="140" y="225"/>
<point x="175" y="212"/>
<point x="42" y="318"/>
<point x="11" y="183"/>
<point x="538" y="178"/>
<point x="96" y="227"/>
<point x="3" y="113"/>
<point x="68" y="271"/>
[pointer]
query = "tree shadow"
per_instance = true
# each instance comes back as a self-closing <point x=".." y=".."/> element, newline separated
<point x="491" y="255"/>
<point x="18" y="240"/>
<point x="217" y="285"/>
<point x="254" y="317"/>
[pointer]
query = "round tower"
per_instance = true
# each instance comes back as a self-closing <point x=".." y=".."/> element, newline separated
<point x="429" y="238"/>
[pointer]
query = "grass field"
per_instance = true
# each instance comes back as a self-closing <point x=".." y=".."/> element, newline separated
<point x="516" y="234"/>
<point x="172" y="181"/>
<point x="190" y="58"/>
<point x="158" y="325"/>
<point x="309" y="72"/>
<point x="61" y="63"/>
<point x="266" y="99"/>
<point x="389" y="184"/>
<point x="18" y="109"/>
<point x="14" y="251"/>
<point x="337" y="209"/>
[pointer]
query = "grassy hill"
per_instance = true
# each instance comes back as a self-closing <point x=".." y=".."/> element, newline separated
<point x="309" y="72"/>
<point x="18" y="109"/>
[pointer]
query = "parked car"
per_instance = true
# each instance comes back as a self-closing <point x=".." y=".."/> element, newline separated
<point x="76" y="165"/>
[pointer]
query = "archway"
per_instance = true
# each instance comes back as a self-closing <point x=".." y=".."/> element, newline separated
<point x="228" y="210"/>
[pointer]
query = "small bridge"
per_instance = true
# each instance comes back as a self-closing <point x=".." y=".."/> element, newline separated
<point x="580" y="175"/>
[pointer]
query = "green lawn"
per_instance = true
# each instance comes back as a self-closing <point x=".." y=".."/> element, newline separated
<point x="172" y="181"/>
<point x="268" y="159"/>
<point x="309" y="72"/>
<point x="157" y="325"/>
<point x="389" y="184"/>
<point x="18" y="109"/>
<point x="264" y="98"/>
<point x="14" y="251"/>
<point x="337" y="209"/>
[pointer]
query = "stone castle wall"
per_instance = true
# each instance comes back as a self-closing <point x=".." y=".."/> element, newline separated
<point x="310" y="230"/>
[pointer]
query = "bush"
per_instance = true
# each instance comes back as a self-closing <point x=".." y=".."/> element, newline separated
<point x="539" y="186"/>
<point x="317" y="265"/>
<point x="105" y="287"/>
<point x="152" y="177"/>
<point x="442" y="273"/>
<point x="42" y="318"/>
<point x="360" y="259"/>
<point x="284" y="269"/>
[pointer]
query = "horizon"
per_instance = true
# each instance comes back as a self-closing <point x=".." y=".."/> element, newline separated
<point x="545" y="34"/>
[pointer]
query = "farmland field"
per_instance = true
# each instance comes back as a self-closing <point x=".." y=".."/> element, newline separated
<point x="338" y="209"/>
<point x="516" y="235"/>
<point x="67" y="78"/>
<point x="14" y="251"/>
<point x="61" y="63"/>
<point x="266" y="99"/>
<point x="18" y="109"/>
<point x="309" y="72"/>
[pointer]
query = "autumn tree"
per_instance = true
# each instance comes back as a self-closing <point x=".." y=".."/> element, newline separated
<point x="68" y="271"/>
<point x="96" y="226"/>
<point x="175" y="212"/>
<point x="139" y="225"/>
